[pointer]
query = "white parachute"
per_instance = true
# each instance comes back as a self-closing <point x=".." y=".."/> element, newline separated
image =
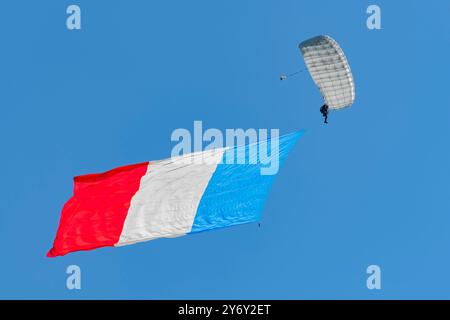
<point x="330" y="71"/>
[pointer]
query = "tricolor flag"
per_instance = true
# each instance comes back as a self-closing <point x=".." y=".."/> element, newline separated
<point x="169" y="198"/>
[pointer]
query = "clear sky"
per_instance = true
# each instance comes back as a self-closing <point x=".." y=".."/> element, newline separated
<point x="372" y="187"/>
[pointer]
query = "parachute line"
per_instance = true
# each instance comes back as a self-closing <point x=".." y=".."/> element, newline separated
<point x="286" y="76"/>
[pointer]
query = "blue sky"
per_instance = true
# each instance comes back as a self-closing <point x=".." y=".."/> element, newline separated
<point x="372" y="187"/>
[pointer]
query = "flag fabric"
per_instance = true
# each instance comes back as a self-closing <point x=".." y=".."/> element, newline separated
<point x="169" y="198"/>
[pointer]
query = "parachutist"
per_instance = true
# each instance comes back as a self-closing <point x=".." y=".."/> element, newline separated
<point x="324" y="112"/>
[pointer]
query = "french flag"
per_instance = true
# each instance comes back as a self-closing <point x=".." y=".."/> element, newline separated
<point x="168" y="198"/>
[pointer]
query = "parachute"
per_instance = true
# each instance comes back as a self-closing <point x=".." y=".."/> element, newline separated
<point x="330" y="71"/>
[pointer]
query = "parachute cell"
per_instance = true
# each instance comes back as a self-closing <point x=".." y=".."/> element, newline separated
<point x="330" y="70"/>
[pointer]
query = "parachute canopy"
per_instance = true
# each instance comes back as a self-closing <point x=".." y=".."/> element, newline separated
<point x="330" y="70"/>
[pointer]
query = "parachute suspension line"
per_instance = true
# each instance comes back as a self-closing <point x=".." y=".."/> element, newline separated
<point x="285" y="76"/>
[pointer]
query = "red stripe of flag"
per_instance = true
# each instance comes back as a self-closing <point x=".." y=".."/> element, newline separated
<point x="95" y="215"/>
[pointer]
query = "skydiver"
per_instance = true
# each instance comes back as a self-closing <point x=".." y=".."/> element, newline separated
<point x="324" y="112"/>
